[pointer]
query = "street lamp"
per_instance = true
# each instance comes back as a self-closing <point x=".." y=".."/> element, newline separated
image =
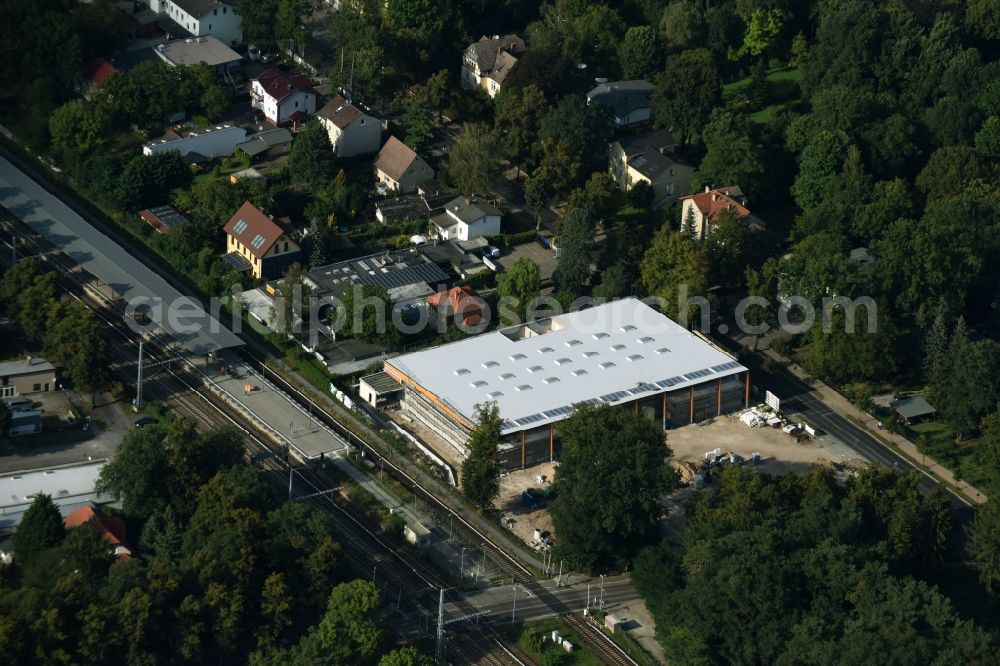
<point x="461" y="567"/>
<point x="514" y="607"/>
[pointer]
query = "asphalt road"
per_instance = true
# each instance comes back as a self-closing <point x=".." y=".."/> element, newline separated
<point x="797" y="398"/>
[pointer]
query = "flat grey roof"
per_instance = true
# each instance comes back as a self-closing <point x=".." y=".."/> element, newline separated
<point x="536" y="373"/>
<point x="194" y="50"/>
<point x="22" y="367"/>
<point x="186" y="320"/>
<point x="913" y="406"/>
<point x="386" y="269"/>
<point x="381" y="382"/>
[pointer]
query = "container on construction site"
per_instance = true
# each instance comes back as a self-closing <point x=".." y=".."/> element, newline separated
<point x="555" y="636"/>
<point x="755" y="457"/>
<point x="611" y="623"/>
<point x="537" y="535"/>
<point x="699" y="481"/>
<point x="566" y="645"/>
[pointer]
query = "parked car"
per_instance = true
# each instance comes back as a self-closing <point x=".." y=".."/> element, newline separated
<point x="145" y="421"/>
<point x="492" y="252"/>
<point x="19" y="404"/>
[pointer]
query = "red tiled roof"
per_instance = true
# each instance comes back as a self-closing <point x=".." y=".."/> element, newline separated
<point x="459" y="300"/>
<point x="279" y="85"/>
<point x="258" y="233"/>
<point x="712" y="202"/>
<point x="99" y="69"/>
<point x="111" y="528"/>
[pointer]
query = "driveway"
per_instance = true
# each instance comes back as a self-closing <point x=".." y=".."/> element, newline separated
<point x="542" y="256"/>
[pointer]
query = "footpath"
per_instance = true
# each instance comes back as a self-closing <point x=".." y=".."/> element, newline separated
<point x="845" y="408"/>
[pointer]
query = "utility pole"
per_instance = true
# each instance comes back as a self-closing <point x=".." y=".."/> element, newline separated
<point x="588" y="595"/>
<point x="138" y="381"/>
<point x="290" y="473"/>
<point x="514" y="607"/>
<point x="602" y="592"/>
<point x="439" y="646"/>
<point x="461" y="567"/>
<point x="559" y="577"/>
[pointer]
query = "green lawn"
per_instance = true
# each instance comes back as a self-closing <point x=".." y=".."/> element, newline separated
<point x="785" y="91"/>
<point x="522" y="633"/>
<point x="937" y="440"/>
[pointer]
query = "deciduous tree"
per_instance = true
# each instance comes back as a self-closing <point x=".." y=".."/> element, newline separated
<point x="612" y="473"/>
<point x="481" y="468"/>
<point x="640" y="53"/>
<point x="686" y="92"/>
<point x="674" y="263"/>
<point x="518" y="287"/>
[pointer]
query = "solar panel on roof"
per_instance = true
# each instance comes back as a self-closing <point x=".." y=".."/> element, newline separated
<point x="667" y="383"/>
<point x="558" y="411"/>
<point x="697" y="374"/>
<point x="591" y="401"/>
<point x="725" y="366"/>
<point x="612" y="397"/>
<point x="525" y="420"/>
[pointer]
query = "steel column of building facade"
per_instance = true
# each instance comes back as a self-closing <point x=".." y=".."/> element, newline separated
<point x="718" y="397"/>
<point x="552" y="442"/>
<point x="692" y="406"/>
<point x="523" y="447"/>
<point x="746" y="400"/>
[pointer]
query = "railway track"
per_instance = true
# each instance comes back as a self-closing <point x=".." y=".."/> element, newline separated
<point x="606" y="649"/>
<point x="408" y="580"/>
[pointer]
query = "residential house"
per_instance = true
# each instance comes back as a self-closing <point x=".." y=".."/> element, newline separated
<point x="703" y="208"/>
<point x="258" y="244"/>
<point x="109" y="528"/>
<point x="283" y="98"/>
<point x="96" y="72"/>
<point x="400" y="169"/>
<point x="269" y="143"/>
<point x="197" y="18"/>
<point x="205" y="50"/>
<point x="487" y="63"/>
<point x="648" y="158"/>
<point x="465" y="218"/>
<point x="201" y="145"/>
<point x="26" y="375"/>
<point x="351" y="130"/>
<point x="627" y="100"/>
<point x="460" y="304"/>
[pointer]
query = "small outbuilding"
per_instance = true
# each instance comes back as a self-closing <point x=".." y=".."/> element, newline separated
<point x="912" y="409"/>
<point x="379" y="388"/>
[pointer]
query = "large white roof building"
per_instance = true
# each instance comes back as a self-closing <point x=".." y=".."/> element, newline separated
<point x="623" y="352"/>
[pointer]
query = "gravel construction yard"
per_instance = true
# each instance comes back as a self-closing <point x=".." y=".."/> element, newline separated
<point x="511" y="487"/>
<point x="779" y="453"/>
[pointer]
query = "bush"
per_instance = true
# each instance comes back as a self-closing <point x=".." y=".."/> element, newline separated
<point x="507" y="240"/>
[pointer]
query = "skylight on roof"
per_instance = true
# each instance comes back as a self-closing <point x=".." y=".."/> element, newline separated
<point x="490" y="364"/>
<point x="607" y="364"/>
<point x="517" y="357"/>
<point x="635" y="357"/>
<point x="579" y="373"/>
<point x="662" y="350"/>
<point x="507" y="375"/>
<point x="589" y="354"/>
<point x="461" y="371"/>
<point x="524" y="387"/>
<point x="563" y="361"/>
<point x="644" y="339"/>
<point x="573" y="343"/>
<point x="240" y="227"/>
<point x="627" y="327"/>
<point x="546" y="350"/>
<point x="599" y="336"/>
<point x="495" y="394"/>
<point x="617" y="347"/>
<point x="479" y="383"/>
<point x="550" y="380"/>
<point x="257" y="241"/>
<point x="535" y="368"/>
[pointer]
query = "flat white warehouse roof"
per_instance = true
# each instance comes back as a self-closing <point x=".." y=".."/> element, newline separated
<point x="608" y="354"/>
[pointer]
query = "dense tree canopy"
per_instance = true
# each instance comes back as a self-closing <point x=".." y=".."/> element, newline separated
<point x="612" y="473"/>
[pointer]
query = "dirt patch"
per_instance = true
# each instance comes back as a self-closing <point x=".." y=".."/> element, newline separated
<point x="779" y="452"/>
<point x="526" y="520"/>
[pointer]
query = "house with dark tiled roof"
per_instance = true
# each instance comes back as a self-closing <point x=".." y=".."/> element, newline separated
<point x="703" y="209"/>
<point x="649" y="158"/>
<point x="487" y="63"/>
<point x="283" y="98"/>
<point x="259" y="245"/>
<point x="628" y="101"/>
<point x="466" y="218"/>
<point x="110" y="528"/>
<point x="399" y="168"/>
<point x="351" y="130"/>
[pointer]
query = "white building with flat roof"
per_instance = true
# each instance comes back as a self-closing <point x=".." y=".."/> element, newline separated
<point x="622" y="353"/>
<point x="69" y="486"/>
